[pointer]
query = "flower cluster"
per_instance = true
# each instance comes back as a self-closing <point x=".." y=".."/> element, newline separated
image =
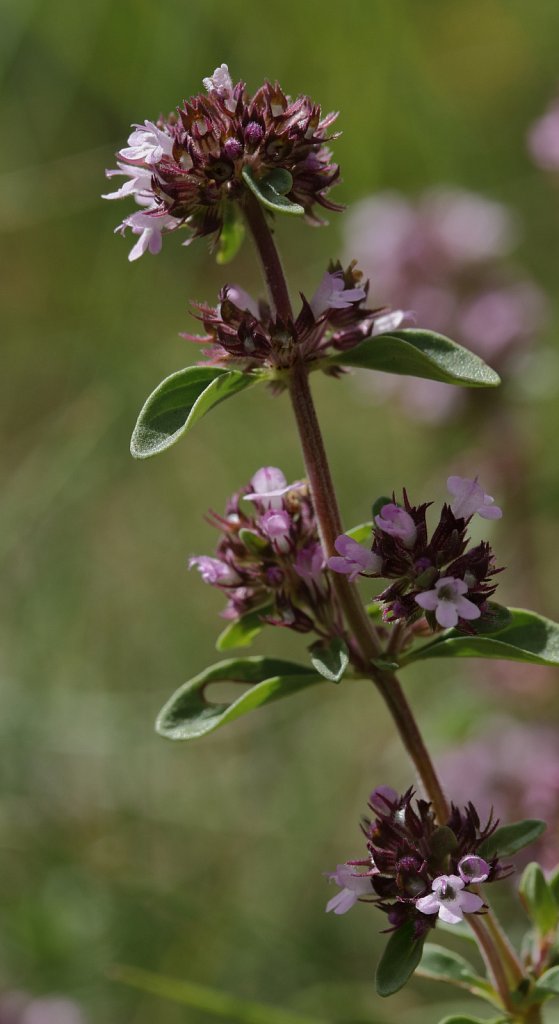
<point x="187" y="169"/>
<point x="269" y="560"/>
<point x="438" y="575"/>
<point x="448" y="253"/>
<point x="416" y="870"/>
<point x="246" y="334"/>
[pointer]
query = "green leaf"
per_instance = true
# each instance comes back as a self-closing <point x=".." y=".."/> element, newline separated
<point x="399" y="960"/>
<point x="253" y="541"/>
<point x="527" y="637"/>
<point x="549" y="982"/>
<point x="420" y="353"/>
<point x="179" y="402"/>
<point x="509" y="839"/>
<point x="271" y="190"/>
<point x="212" y="1001"/>
<point x="538" y="899"/>
<point x="379" y="504"/>
<point x="441" y="964"/>
<point x="241" y="632"/>
<point x="461" y="1019"/>
<point x="188" y="714"/>
<point x="458" y="931"/>
<point x="330" y="658"/>
<point x="231" y="237"/>
<point x="554" y="884"/>
<point x="361" y="533"/>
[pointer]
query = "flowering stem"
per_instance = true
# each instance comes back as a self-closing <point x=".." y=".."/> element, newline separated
<point x="269" y="256"/>
<point x="366" y="646"/>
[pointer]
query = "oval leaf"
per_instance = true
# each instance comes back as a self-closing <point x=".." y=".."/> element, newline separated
<point x="243" y="631"/>
<point x="179" y="402"/>
<point x="527" y="637"/>
<point x="549" y="982"/>
<point x="188" y="714"/>
<point x="509" y="839"/>
<point x="419" y="353"/>
<point x="441" y="964"/>
<point x="399" y="960"/>
<point x="330" y="658"/>
<point x="538" y="899"/>
<point x="270" y="191"/>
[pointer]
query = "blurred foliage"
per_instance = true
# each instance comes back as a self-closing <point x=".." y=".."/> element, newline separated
<point x="204" y="862"/>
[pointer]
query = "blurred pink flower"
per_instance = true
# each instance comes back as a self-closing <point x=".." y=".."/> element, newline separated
<point x="514" y="769"/>
<point x="445" y="258"/>
<point x="20" y="1008"/>
<point x="543" y="138"/>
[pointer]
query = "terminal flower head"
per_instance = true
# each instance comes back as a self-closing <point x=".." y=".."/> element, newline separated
<point x="189" y="166"/>
<point x="417" y="869"/>
<point x="245" y="334"/>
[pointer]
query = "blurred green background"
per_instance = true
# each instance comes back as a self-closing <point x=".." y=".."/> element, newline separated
<point x="204" y="861"/>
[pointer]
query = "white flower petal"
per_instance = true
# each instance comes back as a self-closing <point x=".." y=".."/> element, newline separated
<point x="451" y="913"/>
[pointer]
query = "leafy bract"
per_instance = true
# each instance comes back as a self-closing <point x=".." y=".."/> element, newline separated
<point x="419" y="353"/>
<point x="399" y="960"/>
<point x="527" y="637"/>
<point x="179" y="402"/>
<point x="241" y="632"/>
<point x="330" y="658"/>
<point x="509" y="839"/>
<point x="188" y="714"/>
<point x="271" y="190"/>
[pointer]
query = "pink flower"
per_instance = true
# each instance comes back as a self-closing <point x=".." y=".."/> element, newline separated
<point x="448" y="603"/>
<point x="309" y="563"/>
<point x="149" y="228"/>
<point x="270" y="485"/>
<point x="140" y="182"/>
<point x="398" y="523"/>
<point x="473" y="869"/>
<point x="392" y="321"/>
<point x="214" y="571"/>
<point x="276" y="524"/>
<point x="449" y="900"/>
<point x="354" y="559"/>
<point x="147" y="144"/>
<point x="543" y="139"/>
<point x="469" y="498"/>
<point x="243" y="300"/>
<point x="333" y="294"/>
<point x="352" y="887"/>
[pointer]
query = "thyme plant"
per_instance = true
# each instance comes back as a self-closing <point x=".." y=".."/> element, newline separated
<point x="226" y="164"/>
